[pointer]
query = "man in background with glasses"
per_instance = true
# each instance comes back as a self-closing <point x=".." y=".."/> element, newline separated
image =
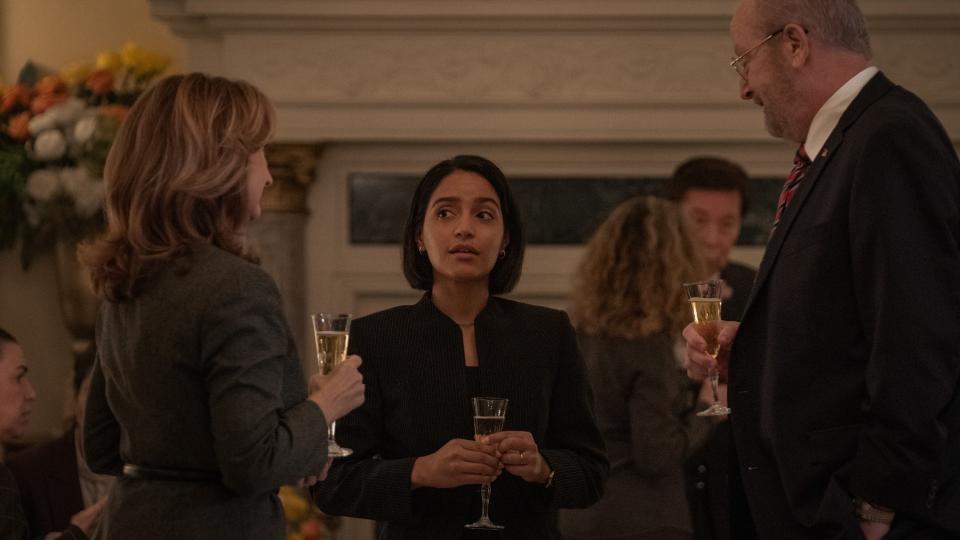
<point x="844" y="371"/>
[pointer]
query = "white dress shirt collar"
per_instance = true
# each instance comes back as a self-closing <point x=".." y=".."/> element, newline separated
<point x="829" y="114"/>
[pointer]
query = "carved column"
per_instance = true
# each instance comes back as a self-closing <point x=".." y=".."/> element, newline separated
<point x="279" y="233"/>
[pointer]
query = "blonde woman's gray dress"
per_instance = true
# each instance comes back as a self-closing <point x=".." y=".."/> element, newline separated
<point x="199" y="395"/>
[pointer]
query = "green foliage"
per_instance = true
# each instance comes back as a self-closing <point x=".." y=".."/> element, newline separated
<point x="13" y="177"/>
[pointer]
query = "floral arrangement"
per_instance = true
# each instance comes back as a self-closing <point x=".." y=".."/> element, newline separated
<point x="304" y="520"/>
<point x="55" y="133"/>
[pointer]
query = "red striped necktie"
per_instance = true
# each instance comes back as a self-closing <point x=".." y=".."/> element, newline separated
<point x="800" y="164"/>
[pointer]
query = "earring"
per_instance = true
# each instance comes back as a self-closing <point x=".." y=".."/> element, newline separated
<point x="503" y="253"/>
<point x="421" y="249"/>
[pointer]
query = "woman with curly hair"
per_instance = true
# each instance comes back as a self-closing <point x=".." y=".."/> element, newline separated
<point x="197" y="399"/>
<point x="629" y="309"/>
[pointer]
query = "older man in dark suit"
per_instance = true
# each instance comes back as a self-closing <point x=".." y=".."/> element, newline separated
<point x="844" y="370"/>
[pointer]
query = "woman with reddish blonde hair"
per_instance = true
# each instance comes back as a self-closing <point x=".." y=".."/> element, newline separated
<point x="197" y="400"/>
<point x="629" y="308"/>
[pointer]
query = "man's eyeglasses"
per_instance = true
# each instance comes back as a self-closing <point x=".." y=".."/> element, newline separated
<point x="738" y="63"/>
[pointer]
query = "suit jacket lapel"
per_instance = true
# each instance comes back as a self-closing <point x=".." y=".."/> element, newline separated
<point x="878" y="86"/>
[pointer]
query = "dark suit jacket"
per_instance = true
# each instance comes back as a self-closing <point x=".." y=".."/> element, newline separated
<point x="49" y="484"/>
<point x="739" y="278"/>
<point x="646" y="410"/>
<point x="200" y="373"/>
<point x="844" y="374"/>
<point x="417" y="399"/>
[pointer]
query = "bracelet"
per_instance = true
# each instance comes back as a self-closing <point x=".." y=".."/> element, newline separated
<point x="872" y="513"/>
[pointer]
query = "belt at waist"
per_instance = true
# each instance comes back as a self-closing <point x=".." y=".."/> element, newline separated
<point x="177" y="475"/>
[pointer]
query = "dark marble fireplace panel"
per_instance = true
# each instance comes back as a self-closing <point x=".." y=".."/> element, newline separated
<point x="556" y="210"/>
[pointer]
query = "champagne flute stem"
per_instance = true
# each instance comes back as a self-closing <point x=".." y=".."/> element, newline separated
<point x="332" y="431"/>
<point x="715" y="384"/>
<point x="485" y="497"/>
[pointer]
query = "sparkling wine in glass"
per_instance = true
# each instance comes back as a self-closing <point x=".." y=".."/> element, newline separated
<point x="488" y="416"/>
<point x="705" y="301"/>
<point x="331" y="332"/>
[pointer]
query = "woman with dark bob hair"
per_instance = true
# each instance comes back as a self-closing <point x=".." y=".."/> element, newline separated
<point x="197" y="399"/>
<point x="416" y="466"/>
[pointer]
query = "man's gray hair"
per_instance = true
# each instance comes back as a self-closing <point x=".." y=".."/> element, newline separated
<point x="838" y="22"/>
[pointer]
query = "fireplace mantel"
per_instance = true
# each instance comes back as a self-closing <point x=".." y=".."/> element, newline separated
<point x="523" y="70"/>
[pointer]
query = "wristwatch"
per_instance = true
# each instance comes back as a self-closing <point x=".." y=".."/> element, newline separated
<point x="870" y="512"/>
<point x="549" y="479"/>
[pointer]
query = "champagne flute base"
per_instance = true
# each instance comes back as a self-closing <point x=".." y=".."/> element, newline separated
<point x="334" y="450"/>
<point x="484" y="523"/>
<point x="715" y="410"/>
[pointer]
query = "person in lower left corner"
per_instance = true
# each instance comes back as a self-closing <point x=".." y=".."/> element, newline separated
<point x="60" y="494"/>
<point x="16" y="396"/>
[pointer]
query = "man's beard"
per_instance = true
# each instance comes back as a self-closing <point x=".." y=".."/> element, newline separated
<point x="778" y="103"/>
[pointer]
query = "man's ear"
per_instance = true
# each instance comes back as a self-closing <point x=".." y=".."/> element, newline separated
<point x="797" y="41"/>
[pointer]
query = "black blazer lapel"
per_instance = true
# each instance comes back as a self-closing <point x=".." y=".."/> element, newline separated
<point x="876" y="88"/>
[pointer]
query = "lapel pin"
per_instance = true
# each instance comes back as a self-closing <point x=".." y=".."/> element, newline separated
<point x="824" y="153"/>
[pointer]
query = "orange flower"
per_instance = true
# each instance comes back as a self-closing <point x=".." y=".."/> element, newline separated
<point x="310" y="529"/>
<point x="18" y="129"/>
<point x="18" y="94"/>
<point x="51" y="84"/>
<point x="49" y="91"/>
<point x="43" y="102"/>
<point x="119" y="112"/>
<point x="100" y="81"/>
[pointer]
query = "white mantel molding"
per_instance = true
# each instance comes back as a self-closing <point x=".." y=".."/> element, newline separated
<point x="609" y="125"/>
<point x="205" y="16"/>
<point x="524" y="70"/>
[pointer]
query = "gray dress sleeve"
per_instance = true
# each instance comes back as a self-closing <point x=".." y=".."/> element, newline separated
<point x="245" y="347"/>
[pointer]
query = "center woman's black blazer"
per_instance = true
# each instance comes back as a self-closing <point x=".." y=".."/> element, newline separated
<point x="418" y="398"/>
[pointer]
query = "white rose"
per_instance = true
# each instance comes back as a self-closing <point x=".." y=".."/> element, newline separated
<point x="86" y="192"/>
<point x="61" y="114"/>
<point x="90" y="199"/>
<point x="43" y="184"/>
<point x="67" y="112"/>
<point x="42" y="122"/>
<point x="84" y="129"/>
<point x="49" y="145"/>
<point x="73" y="179"/>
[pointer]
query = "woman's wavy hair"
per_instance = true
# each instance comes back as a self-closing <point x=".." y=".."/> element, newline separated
<point x="176" y="176"/>
<point x="630" y="281"/>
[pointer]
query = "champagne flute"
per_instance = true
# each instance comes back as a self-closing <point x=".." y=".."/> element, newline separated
<point x="704" y="299"/>
<point x="331" y="333"/>
<point x="488" y="416"/>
